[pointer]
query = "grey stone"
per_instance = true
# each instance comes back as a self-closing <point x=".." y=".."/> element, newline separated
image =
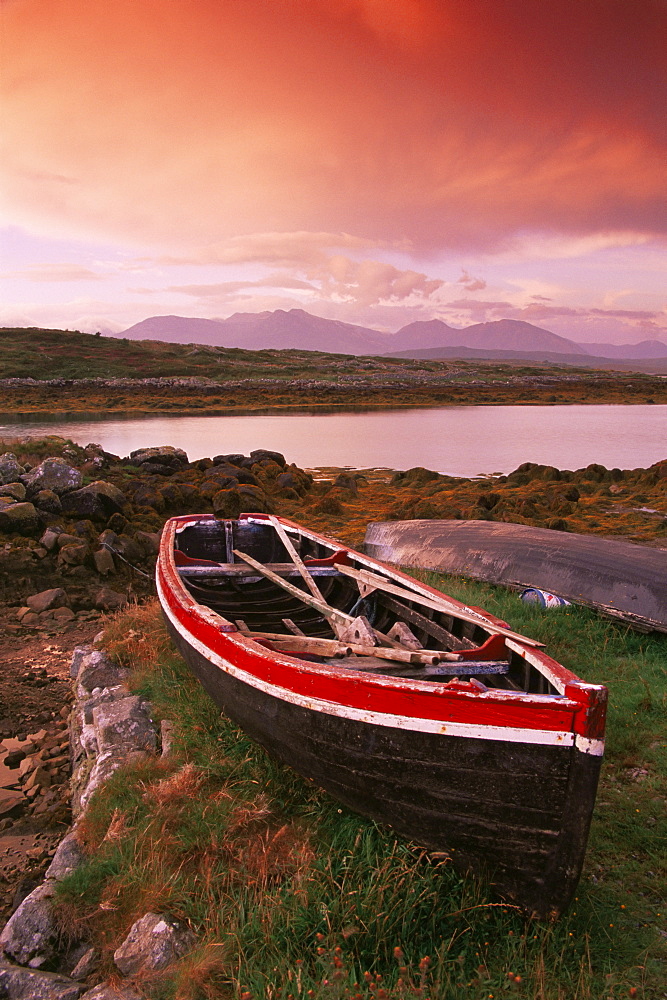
<point x="149" y="541"/>
<point x="17" y="983"/>
<point x="167" y="737"/>
<point x="47" y="599"/>
<point x="50" y="538"/>
<point x="154" y="942"/>
<point x="68" y="856"/>
<point x="52" y="474"/>
<point x="77" y="658"/>
<point x="124" y="724"/>
<point x="21" y="518"/>
<point x="107" y="599"/>
<point x="10" y="469"/>
<point x="30" y="936"/>
<point x="107" y="992"/>
<point x="86" y="965"/>
<point x="48" y="500"/>
<point x="104" y="563"/>
<point x="97" y="501"/>
<point x="97" y="670"/>
<point x="14" y="490"/>
<point x="166" y="455"/>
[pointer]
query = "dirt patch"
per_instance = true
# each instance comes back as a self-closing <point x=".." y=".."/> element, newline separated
<point x="34" y="749"/>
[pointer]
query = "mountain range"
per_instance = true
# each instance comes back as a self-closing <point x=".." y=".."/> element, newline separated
<point x="300" y="330"/>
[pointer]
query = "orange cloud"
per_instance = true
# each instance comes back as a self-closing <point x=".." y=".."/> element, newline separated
<point x="446" y="124"/>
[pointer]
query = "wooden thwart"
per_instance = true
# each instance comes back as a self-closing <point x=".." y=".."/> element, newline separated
<point x="334" y="647"/>
<point x="438" y="604"/>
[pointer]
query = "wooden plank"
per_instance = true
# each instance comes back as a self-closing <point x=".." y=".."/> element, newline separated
<point x="427" y="625"/>
<point x="296" y="642"/>
<point x="293" y="627"/>
<point x="298" y="561"/>
<point x="239" y="570"/>
<point x="332" y="614"/>
<point x="438" y="604"/>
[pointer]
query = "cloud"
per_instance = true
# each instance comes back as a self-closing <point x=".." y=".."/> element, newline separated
<point x="471" y="284"/>
<point x="55" y="272"/>
<point x="430" y="124"/>
<point x="223" y="290"/>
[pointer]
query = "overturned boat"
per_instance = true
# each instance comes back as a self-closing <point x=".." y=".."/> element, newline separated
<point x="406" y="705"/>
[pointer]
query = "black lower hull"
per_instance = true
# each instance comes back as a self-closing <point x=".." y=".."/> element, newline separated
<point x="517" y="812"/>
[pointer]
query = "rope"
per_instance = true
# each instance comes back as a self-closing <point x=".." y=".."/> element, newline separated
<point x="131" y="565"/>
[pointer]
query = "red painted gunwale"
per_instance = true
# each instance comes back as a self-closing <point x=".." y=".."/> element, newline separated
<point x="579" y="710"/>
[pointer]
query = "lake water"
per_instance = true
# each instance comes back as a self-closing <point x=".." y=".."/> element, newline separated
<point x="459" y="441"/>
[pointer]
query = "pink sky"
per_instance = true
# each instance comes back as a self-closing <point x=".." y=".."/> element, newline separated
<point x="376" y="161"/>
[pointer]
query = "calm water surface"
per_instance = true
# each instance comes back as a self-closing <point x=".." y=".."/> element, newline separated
<point x="459" y="441"/>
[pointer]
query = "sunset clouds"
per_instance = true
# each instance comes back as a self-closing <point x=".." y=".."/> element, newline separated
<point x="351" y="146"/>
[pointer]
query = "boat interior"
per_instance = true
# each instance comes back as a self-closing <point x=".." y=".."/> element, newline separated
<point x="310" y="600"/>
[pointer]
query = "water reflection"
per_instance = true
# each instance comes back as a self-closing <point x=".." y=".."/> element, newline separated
<point x="460" y="441"/>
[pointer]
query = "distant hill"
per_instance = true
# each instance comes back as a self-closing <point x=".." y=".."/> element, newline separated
<point x="295" y="329"/>
<point x="646" y="349"/>
<point x="503" y="335"/>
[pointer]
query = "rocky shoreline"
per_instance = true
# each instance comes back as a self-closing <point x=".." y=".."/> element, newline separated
<point x="42" y="958"/>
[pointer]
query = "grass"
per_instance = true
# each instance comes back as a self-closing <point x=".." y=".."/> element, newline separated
<point x="292" y="895"/>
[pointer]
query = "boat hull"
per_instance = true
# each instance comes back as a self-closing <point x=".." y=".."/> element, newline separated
<point x="502" y="781"/>
<point x="515" y="813"/>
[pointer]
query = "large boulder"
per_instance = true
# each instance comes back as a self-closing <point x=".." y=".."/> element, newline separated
<point x="48" y="501"/>
<point x="16" y="491"/>
<point x="47" y="600"/>
<point x="10" y="469"/>
<point x="17" y="983"/>
<point x="154" y="942"/>
<point x="52" y="474"/>
<point x="163" y="460"/>
<point x="98" y="501"/>
<point x="19" y="518"/>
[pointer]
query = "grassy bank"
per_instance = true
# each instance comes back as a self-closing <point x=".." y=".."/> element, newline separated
<point x="233" y="380"/>
<point x="293" y="895"/>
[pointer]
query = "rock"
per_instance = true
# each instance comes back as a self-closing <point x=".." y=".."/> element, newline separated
<point x="86" y="965"/>
<point x="107" y="992"/>
<point x="19" y="518"/>
<point x="74" y="554"/>
<point x="104" y="563"/>
<point x="48" y="501"/>
<point x="97" y="670"/>
<point x="261" y="453"/>
<point x="167" y="737"/>
<point x="14" y="490"/>
<point x="154" y="942"/>
<point x="30" y="936"/>
<point x="47" y="599"/>
<point x="52" y="474"/>
<point x="417" y="476"/>
<point x="63" y="615"/>
<point x="165" y="455"/>
<point x="227" y="503"/>
<point x="107" y="599"/>
<point x="149" y="541"/>
<point x="97" y="501"/>
<point x="68" y="856"/>
<point x="78" y="655"/>
<point x="10" y="470"/>
<point x="64" y="538"/>
<point x="11" y="801"/>
<point x="123" y="724"/>
<point x="17" y="983"/>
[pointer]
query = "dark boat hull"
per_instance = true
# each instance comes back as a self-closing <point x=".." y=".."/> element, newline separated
<point x="516" y="806"/>
<point x="511" y="801"/>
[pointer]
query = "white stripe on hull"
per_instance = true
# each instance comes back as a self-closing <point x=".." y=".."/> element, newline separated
<point x="509" y="734"/>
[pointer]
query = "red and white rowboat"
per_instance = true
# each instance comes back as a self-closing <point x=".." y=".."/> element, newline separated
<point x="406" y="705"/>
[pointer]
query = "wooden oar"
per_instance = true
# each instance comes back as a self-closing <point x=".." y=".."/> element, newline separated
<point x="437" y="604"/>
<point x="298" y="561"/>
<point x="332" y="614"/>
<point x="337" y="619"/>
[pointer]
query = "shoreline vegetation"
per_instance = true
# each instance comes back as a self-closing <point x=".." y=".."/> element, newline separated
<point x="291" y="895"/>
<point x="49" y="372"/>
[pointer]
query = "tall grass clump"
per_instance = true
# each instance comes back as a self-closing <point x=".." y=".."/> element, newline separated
<point x="293" y="895"/>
